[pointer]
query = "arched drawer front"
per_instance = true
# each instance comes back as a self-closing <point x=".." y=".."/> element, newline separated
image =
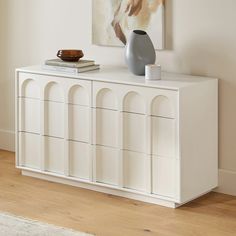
<point x="134" y="102"/>
<point x="78" y="92"/>
<point x="149" y="101"/>
<point x="79" y="102"/>
<point x="106" y="98"/>
<point x="119" y="97"/>
<point x="79" y="95"/>
<point x="141" y="119"/>
<point x="29" y="86"/>
<point x="105" y="95"/>
<point x="135" y="99"/>
<point x="162" y="106"/>
<point x="162" y="103"/>
<point x="54" y="97"/>
<point x="54" y="92"/>
<point x="54" y="88"/>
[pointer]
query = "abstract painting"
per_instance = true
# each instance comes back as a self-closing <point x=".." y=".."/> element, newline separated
<point x="114" y="20"/>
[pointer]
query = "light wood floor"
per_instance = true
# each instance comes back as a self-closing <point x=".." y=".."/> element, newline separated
<point x="106" y="215"/>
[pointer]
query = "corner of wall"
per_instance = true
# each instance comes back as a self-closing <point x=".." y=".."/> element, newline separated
<point x="227" y="180"/>
<point x="7" y="140"/>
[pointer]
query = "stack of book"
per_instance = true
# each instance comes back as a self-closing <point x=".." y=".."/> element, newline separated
<point x="70" y="67"/>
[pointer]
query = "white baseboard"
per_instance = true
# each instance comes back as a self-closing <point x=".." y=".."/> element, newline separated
<point x="7" y="140"/>
<point x="227" y="182"/>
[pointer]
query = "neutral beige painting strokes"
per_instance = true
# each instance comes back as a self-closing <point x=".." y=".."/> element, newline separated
<point x="114" y="20"/>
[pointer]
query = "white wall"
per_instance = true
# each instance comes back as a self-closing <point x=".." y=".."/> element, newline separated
<point x="201" y="39"/>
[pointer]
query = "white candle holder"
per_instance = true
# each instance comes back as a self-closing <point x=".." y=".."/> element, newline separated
<point x="153" y="72"/>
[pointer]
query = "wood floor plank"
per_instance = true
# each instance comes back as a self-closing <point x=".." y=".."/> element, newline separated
<point x="107" y="215"/>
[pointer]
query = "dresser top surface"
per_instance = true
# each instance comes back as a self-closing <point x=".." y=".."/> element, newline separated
<point x="118" y="74"/>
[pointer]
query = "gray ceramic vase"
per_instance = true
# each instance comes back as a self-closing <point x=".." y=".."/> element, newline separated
<point x="139" y="52"/>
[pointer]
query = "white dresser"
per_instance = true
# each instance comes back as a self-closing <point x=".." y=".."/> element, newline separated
<point x="113" y="132"/>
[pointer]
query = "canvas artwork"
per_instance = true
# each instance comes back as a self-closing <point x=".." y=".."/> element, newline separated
<point x="113" y="20"/>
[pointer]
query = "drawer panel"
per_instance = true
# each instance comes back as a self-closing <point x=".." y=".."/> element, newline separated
<point x="105" y="98"/>
<point x="164" y="105"/>
<point x="107" y="165"/>
<point x="135" y="102"/>
<point x="79" y="123"/>
<point x="134" y="128"/>
<point x="53" y="91"/>
<point x="53" y="88"/>
<point x="80" y="160"/>
<point x="164" y="176"/>
<point x="107" y="124"/>
<point x="163" y="137"/>
<point x="54" y="119"/>
<point x="137" y="171"/>
<point x="29" y="86"/>
<point x="135" y="99"/>
<point x="29" y="115"/>
<point x="54" y="155"/>
<point x="79" y="93"/>
<point x="30" y="150"/>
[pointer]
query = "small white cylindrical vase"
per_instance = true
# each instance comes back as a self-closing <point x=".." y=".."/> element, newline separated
<point x="152" y="72"/>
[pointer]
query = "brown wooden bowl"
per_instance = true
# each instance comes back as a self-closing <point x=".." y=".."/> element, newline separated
<point x="70" y="55"/>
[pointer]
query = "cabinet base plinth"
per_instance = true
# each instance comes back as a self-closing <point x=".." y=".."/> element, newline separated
<point x="99" y="188"/>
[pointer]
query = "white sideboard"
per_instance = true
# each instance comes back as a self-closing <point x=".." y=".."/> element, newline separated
<point x="113" y="132"/>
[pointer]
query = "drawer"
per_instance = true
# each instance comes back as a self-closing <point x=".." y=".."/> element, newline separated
<point x="79" y="93"/>
<point x="79" y="123"/>
<point x="135" y="99"/>
<point x="137" y="171"/>
<point x="134" y="132"/>
<point x="41" y="86"/>
<point x="164" y="176"/>
<point x="54" y="119"/>
<point x="53" y="88"/>
<point x="29" y="86"/>
<point x="54" y="155"/>
<point x="107" y="165"/>
<point x="164" y="137"/>
<point x="80" y="161"/>
<point x="106" y="127"/>
<point x="105" y="97"/>
<point x="30" y="150"/>
<point x="67" y="90"/>
<point x="29" y="110"/>
<point x="54" y="92"/>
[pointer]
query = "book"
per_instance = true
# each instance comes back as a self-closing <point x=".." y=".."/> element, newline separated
<point x="70" y="70"/>
<point x="79" y="64"/>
